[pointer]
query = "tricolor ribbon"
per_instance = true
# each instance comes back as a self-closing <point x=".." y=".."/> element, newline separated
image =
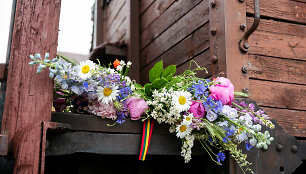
<point x="146" y="138"/>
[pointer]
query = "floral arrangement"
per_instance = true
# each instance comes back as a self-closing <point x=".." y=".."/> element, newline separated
<point x="195" y="108"/>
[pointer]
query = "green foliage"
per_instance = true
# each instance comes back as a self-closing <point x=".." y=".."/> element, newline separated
<point x="159" y="77"/>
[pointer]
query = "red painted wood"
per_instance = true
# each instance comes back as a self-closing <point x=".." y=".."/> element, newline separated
<point x="29" y="95"/>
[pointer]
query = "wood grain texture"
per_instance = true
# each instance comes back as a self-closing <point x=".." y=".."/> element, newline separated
<point x="278" y="39"/>
<point x="280" y="95"/>
<point x="175" y="12"/>
<point x="272" y="26"/>
<point x="112" y="11"/>
<point x="281" y="9"/>
<point x="292" y="121"/>
<point x="184" y="51"/>
<point x="153" y="12"/>
<point x="278" y="45"/>
<point x="276" y="69"/>
<point x="118" y="26"/>
<point x="197" y="17"/>
<point x="29" y="95"/>
<point x="144" y="5"/>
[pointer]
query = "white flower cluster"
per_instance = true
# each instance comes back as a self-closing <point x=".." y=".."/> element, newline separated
<point x="163" y="109"/>
<point x="186" y="148"/>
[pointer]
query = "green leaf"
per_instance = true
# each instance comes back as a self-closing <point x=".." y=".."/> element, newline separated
<point x="148" y="89"/>
<point x="169" y="71"/>
<point x="156" y="71"/>
<point x="158" y="83"/>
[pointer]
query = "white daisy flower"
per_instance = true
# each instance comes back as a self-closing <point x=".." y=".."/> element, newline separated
<point x="85" y="69"/>
<point x="107" y="94"/>
<point x="188" y="118"/>
<point x="183" y="129"/>
<point x="182" y="100"/>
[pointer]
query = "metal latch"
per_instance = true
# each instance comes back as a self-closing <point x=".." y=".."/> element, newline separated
<point x="244" y="44"/>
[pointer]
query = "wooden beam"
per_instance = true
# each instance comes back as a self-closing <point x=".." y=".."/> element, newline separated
<point x="133" y="37"/>
<point x="29" y="95"/>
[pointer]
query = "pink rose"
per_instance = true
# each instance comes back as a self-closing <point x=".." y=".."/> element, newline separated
<point x="136" y="107"/>
<point x="223" y="91"/>
<point x="197" y="109"/>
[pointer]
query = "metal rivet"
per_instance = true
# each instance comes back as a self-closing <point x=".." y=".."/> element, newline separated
<point x="246" y="45"/>
<point x="279" y="147"/>
<point x="294" y="148"/>
<point x="245" y="90"/>
<point x="244" y="69"/>
<point x="214" y="59"/>
<point x="213" y="31"/>
<point x="242" y="27"/>
<point x="212" y="3"/>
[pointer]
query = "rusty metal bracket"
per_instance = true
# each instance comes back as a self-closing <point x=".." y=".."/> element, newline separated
<point x="285" y="154"/>
<point x="244" y="44"/>
<point x="45" y="127"/>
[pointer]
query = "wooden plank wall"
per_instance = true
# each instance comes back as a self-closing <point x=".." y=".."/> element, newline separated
<point x="115" y="24"/>
<point x="277" y="62"/>
<point x="175" y="31"/>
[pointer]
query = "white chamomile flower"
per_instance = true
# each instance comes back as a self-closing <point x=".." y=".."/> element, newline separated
<point x="183" y="129"/>
<point x="85" y="69"/>
<point x="182" y="100"/>
<point x="129" y="63"/>
<point x="107" y="94"/>
<point x="188" y="118"/>
<point x="119" y="68"/>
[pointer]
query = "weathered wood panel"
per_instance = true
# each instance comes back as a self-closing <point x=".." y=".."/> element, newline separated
<point x="29" y="95"/>
<point x="144" y="5"/>
<point x="292" y="121"/>
<point x="112" y="11"/>
<point x="281" y="9"/>
<point x="153" y="12"/>
<point x="276" y="69"/>
<point x="184" y="51"/>
<point x="272" y="26"/>
<point x="118" y="25"/>
<point x="175" y="12"/>
<point x="197" y="17"/>
<point x="280" y="95"/>
<point x="278" y="45"/>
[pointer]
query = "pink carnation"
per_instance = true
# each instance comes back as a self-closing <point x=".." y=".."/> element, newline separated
<point x="223" y="91"/>
<point x="197" y="109"/>
<point x="103" y="110"/>
<point x="136" y="107"/>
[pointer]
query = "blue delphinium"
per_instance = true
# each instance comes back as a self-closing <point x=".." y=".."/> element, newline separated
<point x="220" y="157"/>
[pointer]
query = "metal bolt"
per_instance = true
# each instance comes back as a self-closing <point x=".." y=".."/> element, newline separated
<point x="244" y="69"/>
<point x="242" y="27"/>
<point x="279" y="147"/>
<point x="246" y="45"/>
<point x="213" y="31"/>
<point x="212" y="3"/>
<point x="214" y="59"/>
<point x="294" y="148"/>
<point x="245" y="90"/>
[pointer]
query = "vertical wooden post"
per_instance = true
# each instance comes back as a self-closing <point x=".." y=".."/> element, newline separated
<point x="227" y="60"/>
<point x="29" y="95"/>
<point x="133" y="38"/>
